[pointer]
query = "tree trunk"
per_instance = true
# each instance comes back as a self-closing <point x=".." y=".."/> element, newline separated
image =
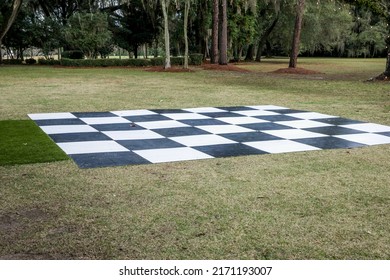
<point x="165" y="7"/>
<point x="265" y="36"/>
<point x="186" y="11"/>
<point x="135" y="50"/>
<point x="297" y="33"/>
<point x="250" y="53"/>
<point x="223" y="59"/>
<point x="214" y="40"/>
<point x="8" y="23"/>
<point x="1" y="52"/>
<point x="387" y="70"/>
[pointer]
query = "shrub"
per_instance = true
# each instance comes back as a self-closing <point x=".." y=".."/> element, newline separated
<point x="30" y="61"/>
<point x="74" y="54"/>
<point x="157" y="61"/>
<point x="12" y="61"/>
<point x="196" y="59"/>
<point x="71" y="62"/>
<point x="105" y="62"/>
<point x="177" y="60"/>
<point x="43" y="61"/>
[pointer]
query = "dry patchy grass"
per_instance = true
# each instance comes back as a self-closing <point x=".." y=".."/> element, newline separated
<point x="329" y="204"/>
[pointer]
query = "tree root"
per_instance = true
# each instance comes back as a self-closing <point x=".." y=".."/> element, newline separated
<point x="384" y="77"/>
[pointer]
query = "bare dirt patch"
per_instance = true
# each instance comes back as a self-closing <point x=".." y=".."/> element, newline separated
<point x="228" y="67"/>
<point x="297" y="71"/>
<point x="171" y="70"/>
<point x="14" y="221"/>
<point x="26" y="256"/>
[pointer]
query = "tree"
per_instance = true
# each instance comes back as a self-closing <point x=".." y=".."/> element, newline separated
<point x="7" y="23"/>
<point x="187" y="5"/>
<point x="223" y="34"/>
<point x="165" y="8"/>
<point x="132" y="26"/>
<point x="300" y="9"/>
<point x="242" y="25"/>
<point x="88" y="32"/>
<point x="382" y="8"/>
<point x="214" y="40"/>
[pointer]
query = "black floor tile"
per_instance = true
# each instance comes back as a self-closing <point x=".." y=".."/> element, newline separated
<point x="250" y="137"/>
<point x="147" y="144"/>
<point x="107" y="159"/>
<point x="329" y="143"/>
<point x="229" y="150"/>
<point x="77" y="137"/>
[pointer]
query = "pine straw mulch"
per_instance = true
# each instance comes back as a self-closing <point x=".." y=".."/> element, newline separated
<point x="173" y="69"/>
<point x="297" y="70"/>
<point x="205" y="66"/>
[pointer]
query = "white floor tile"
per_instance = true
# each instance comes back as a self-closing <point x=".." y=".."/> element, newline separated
<point x="311" y="116"/>
<point x="219" y="129"/>
<point x="104" y="120"/>
<point x="366" y="138"/>
<point x="201" y="140"/>
<point x="241" y="120"/>
<point x="186" y="116"/>
<point x="59" y="129"/>
<point x="267" y="107"/>
<point x="303" y="124"/>
<point x="50" y="116"/>
<point x="87" y="147"/>
<point x="293" y="133"/>
<point x="132" y="134"/>
<point x="256" y="113"/>
<point x="129" y="113"/>
<point x="161" y="124"/>
<point x="204" y="110"/>
<point x="173" y="154"/>
<point x="368" y="127"/>
<point x="280" y="146"/>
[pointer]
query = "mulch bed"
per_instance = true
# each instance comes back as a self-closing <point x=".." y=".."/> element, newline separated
<point x="173" y="69"/>
<point x="298" y="71"/>
<point x="229" y="67"/>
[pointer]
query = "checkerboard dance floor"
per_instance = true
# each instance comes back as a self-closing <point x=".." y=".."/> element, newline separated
<point x="156" y="136"/>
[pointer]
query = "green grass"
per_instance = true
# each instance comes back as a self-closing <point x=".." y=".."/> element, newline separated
<point x="24" y="142"/>
<point x="331" y="204"/>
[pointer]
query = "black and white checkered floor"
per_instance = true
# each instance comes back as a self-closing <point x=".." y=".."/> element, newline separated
<point x="155" y="136"/>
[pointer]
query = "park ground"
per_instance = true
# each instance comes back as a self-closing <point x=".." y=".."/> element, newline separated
<point x="331" y="204"/>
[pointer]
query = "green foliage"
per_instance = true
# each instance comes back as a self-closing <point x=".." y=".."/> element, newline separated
<point x="157" y="61"/>
<point x="24" y="142"/>
<point x="74" y="54"/>
<point x="242" y="26"/>
<point x="134" y="26"/>
<point x="177" y="60"/>
<point x="12" y="61"/>
<point x="326" y="27"/>
<point x="31" y="61"/>
<point x="196" y="59"/>
<point x="368" y="36"/>
<point x="43" y="61"/>
<point x="105" y="62"/>
<point x="88" y="32"/>
<point x="47" y="34"/>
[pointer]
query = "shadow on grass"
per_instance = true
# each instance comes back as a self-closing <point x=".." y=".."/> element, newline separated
<point x="23" y="142"/>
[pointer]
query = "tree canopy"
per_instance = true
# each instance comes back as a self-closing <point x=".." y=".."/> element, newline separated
<point x="358" y="28"/>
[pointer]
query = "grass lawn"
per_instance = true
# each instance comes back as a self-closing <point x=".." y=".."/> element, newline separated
<point x="331" y="204"/>
<point x="23" y="142"/>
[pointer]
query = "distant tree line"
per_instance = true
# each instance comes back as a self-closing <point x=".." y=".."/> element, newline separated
<point x="221" y="30"/>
